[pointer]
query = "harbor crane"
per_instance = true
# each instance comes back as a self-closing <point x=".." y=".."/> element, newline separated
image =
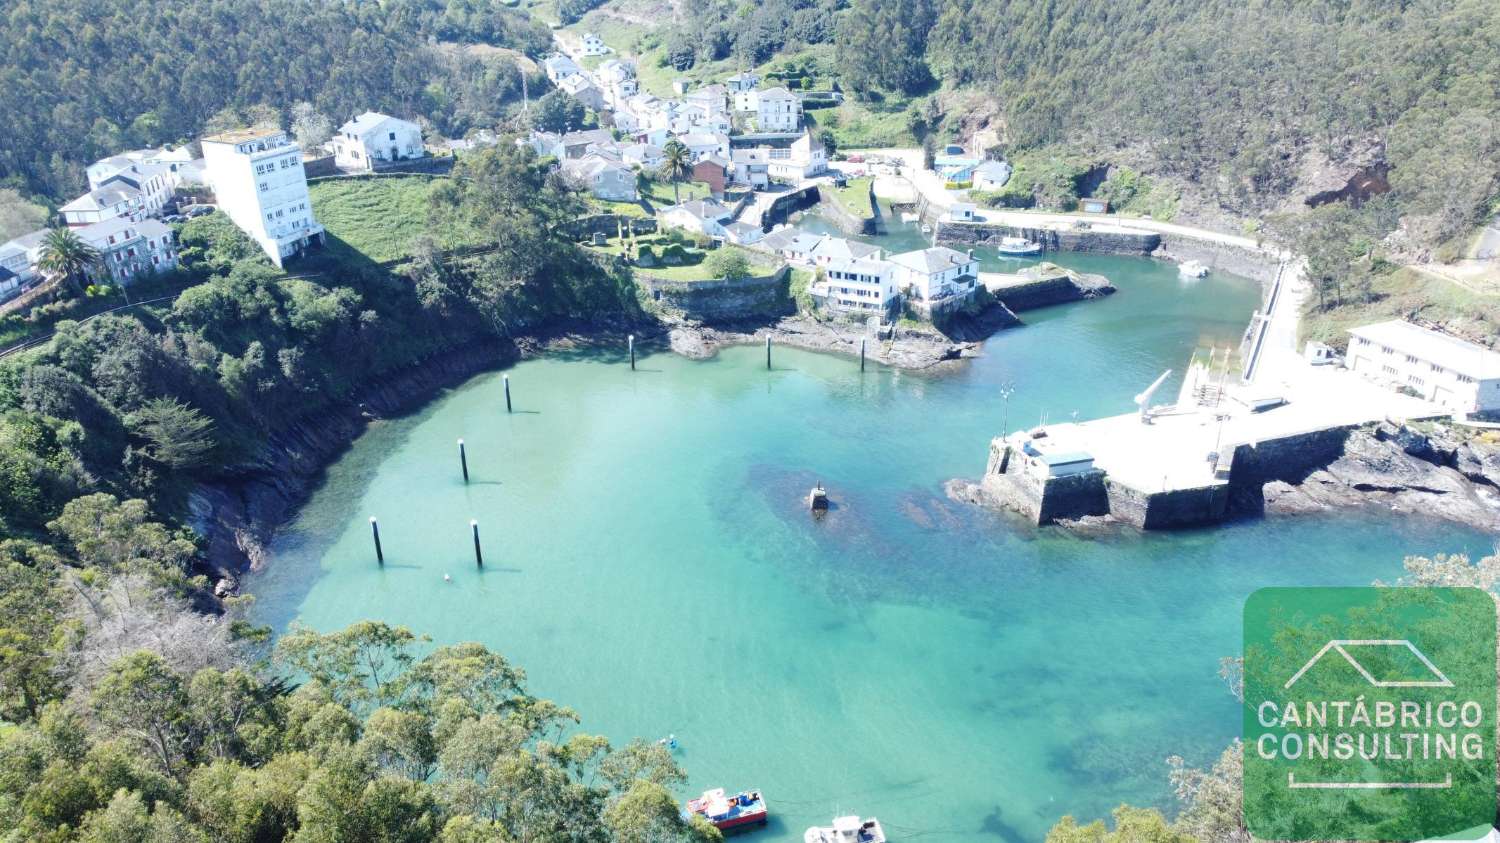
<point x="1143" y="400"/>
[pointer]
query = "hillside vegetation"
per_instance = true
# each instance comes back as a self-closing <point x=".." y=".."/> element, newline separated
<point x="81" y="79"/>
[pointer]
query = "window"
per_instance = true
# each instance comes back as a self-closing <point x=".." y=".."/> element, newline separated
<point x="1389" y="370"/>
<point x="1414" y="380"/>
<point x="1435" y="367"/>
<point x="264" y="187"/>
<point x="1465" y="379"/>
<point x="393" y="135"/>
<point x="1411" y="358"/>
<point x="1387" y="349"/>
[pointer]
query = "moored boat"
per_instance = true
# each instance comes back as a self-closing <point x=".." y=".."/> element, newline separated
<point x="847" y="830"/>
<point x="1192" y="269"/>
<point x="1018" y="246"/>
<point x="745" y="808"/>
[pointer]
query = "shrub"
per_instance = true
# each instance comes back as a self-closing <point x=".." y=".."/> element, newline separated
<point x="729" y="264"/>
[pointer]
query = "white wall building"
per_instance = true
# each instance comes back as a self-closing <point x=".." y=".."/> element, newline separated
<point x="704" y="216"/>
<point x="593" y="45"/>
<point x="931" y="274"/>
<point x="1456" y="374"/>
<point x="866" y="285"/>
<point x="372" y="139"/>
<point x="128" y="248"/>
<point x="257" y="177"/>
<point x="583" y="89"/>
<point x="113" y="200"/>
<point x="794" y="164"/>
<point x="559" y="68"/>
<point x="603" y="178"/>
<point x="155" y="179"/>
<point x="777" y="110"/>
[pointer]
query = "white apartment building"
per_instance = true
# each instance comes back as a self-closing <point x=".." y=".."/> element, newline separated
<point x="936" y="273"/>
<point x="798" y="162"/>
<point x="1456" y="374"/>
<point x="777" y="110"/>
<point x="372" y="139"/>
<point x="866" y="285"/>
<point x="127" y="248"/>
<point x="257" y="176"/>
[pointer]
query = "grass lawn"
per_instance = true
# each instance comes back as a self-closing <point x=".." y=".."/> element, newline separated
<point x="854" y="198"/>
<point x="624" y="209"/>
<point x="659" y="193"/>
<point x="378" y="219"/>
<point x="1408" y="293"/>
<point x="693" y="269"/>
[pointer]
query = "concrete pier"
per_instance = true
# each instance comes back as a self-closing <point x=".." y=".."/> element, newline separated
<point x="1181" y="465"/>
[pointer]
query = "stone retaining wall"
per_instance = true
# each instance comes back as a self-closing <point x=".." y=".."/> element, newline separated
<point x="1250" y="263"/>
<point x="1066" y="240"/>
<point x="1167" y="510"/>
<point x="1042" y="500"/>
<point x="719" y="301"/>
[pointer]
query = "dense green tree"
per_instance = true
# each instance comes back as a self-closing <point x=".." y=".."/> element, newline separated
<point x="676" y="165"/>
<point x="557" y="111"/>
<point x="178" y="436"/>
<point x="66" y="257"/>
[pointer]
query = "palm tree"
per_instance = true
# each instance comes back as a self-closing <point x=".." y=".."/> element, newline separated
<point x="66" y="255"/>
<point x="677" y="164"/>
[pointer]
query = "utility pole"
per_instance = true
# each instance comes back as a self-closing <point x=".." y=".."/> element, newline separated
<point x="1005" y="393"/>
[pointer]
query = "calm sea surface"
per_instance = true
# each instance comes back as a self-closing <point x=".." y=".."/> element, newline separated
<point x="650" y="562"/>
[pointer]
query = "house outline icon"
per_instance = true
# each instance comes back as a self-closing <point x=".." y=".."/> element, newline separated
<point x="1340" y="645"/>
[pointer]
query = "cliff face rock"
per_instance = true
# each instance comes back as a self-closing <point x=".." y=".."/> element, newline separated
<point x="237" y="513"/>
<point x="1404" y="470"/>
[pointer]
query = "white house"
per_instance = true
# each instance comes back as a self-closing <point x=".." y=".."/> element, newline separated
<point x="832" y="250"/>
<point x="794" y="245"/>
<point x="644" y="155"/>
<point x="703" y="145"/>
<point x="743" y="233"/>
<point x="936" y="273"/>
<point x="593" y="45"/>
<point x="116" y="199"/>
<point x="961" y="212"/>
<point x="18" y="259"/>
<point x="777" y="110"/>
<point x="703" y="216"/>
<point x="798" y="162"/>
<point x="866" y="285"/>
<point x="583" y="89"/>
<point x="991" y="175"/>
<point x="372" y="139"/>
<point x="145" y="170"/>
<point x="1456" y="374"/>
<point x="559" y="68"/>
<point x="603" y="178"/>
<point x="741" y="82"/>
<point x="257" y="177"/>
<point x="128" y="248"/>
<point x="579" y="144"/>
<point x="752" y="167"/>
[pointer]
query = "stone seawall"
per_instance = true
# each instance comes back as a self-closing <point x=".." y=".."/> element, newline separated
<point x="1169" y="509"/>
<point x="1249" y="263"/>
<point x="1042" y="500"/>
<point x="721" y="301"/>
<point x="1056" y="239"/>
<point x="849" y="223"/>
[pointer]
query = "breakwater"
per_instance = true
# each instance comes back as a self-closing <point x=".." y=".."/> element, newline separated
<point x="1043" y="286"/>
<point x="1098" y="239"/>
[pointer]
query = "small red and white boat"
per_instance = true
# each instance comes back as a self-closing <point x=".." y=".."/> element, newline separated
<point x="745" y="808"/>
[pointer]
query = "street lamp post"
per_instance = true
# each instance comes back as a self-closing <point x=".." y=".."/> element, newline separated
<point x="1005" y="392"/>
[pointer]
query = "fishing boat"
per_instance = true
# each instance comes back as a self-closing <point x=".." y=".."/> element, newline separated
<point x="847" y="830"/>
<point x="1192" y="269"/>
<point x="1017" y="246"/>
<point x="745" y="808"/>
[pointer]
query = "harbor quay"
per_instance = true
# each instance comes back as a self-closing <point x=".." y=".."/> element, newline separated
<point x="1188" y="462"/>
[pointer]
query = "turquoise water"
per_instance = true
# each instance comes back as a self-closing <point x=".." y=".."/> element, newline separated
<point x="957" y="674"/>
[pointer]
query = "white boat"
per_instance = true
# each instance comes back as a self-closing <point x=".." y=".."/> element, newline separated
<point x="910" y="217"/>
<point x="847" y="830"/>
<point x="1192" y="269"/>
<point x="1018" y="246"/>
<point x="926" y="229"/>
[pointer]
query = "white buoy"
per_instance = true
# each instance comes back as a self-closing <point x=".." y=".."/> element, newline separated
<point x="447" y="578"/>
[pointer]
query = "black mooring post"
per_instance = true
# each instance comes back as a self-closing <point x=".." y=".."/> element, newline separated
<point x="375" y="533"/>
<point x="631" y="340"/>
<point x="768" y="352"/>
<point x="861" y="354"/>
<point x="506" y="380"/>
<point x="463" y="460"/>
<point x="478" y="554"/>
